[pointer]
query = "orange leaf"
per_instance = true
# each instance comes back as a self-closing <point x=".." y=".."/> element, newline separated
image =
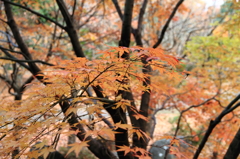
<point x="77" y="147"/>
<point x="126" y="149"/>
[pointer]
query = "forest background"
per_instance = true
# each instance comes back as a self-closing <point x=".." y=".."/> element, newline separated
<point x="104" y="71"/>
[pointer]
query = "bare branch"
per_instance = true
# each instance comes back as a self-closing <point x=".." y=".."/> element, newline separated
<point x="193" y="106"/>
<point x="8" y="38"/>
<point x="88" y="19"/>
<point x="23" y="47"/>
<point x="28" y="61"/>
<point x="234" y="148"/>
<point x="74" y="7"/>
<point x="213" y="124"/>
<point x="115" y="2"/>
<point x="71" y="29"/>
<point x="167" y="24"/>
<point x="29" y="80"/>
<point x="18" y="52"/>
<point x="138" y="32"/>
<point x="34" y="12"/>
<point x="14" y="58"/>
<point x="49" y="54"/>
<point x="141" y="14"/>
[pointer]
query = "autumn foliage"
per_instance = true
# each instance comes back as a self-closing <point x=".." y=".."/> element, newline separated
<point x="105" y="71"/>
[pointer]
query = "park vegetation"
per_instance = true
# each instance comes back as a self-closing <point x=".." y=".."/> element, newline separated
<point x="101" y="71"/>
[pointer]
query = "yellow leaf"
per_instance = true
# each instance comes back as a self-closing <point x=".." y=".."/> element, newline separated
<point x="108" y="132"/>
<point x="119" y="97"/>
<point x="140" y="116"/>
<point x="140" y="134"/>
<point x="40" y="144"/>
<point x="77" y="147"/>
<point x="123" y="126"/>
<point x="126" y="149"/>
<point x="45" y="151"/>
<point x="123" y="104"/>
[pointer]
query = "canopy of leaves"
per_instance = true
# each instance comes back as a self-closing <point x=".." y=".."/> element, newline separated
<point x="61" y="63"/>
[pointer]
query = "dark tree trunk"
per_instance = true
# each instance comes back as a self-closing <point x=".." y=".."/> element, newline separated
<point x="234" y="148"/>
<point x="121" y="139"/>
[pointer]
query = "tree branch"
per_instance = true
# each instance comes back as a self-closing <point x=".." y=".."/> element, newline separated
<point x="145" y="99"/>
<point x="121" y="138"/>
<point x="213" y="124"/>
<point x="34" y="12"/>
<point x="14" y="58"/>
<point x="115" y="2"/>
<point x="221" y="20"/>
<point x="234" y="148"/>
<point x="138" y="32"/>
<point x="126" y="25"/>
<point x="167" y="24"/>
<point x="21" y="44"/>
<point x="74" y="7"/>
<point x="95" y="146"/>
<point x="8" y="38"/>
<point x="17" y="52"/>
<point x="71" y="29"/>
<point x="29" y="80"/>
<point x="28" y="61"/>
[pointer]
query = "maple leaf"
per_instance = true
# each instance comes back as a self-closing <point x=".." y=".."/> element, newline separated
<point x="45" y="151"/>
<point x="141" y="150"/>
<point x="33" y="154"/>
<point x="213" y="56"/>
<point x="108" y="132"/>
<point x="40" y="145"/>
<point x="140" y="116"/>
<point x="123" y="104"/>
<point x="123" y="126"/>
<point x="175" y="151"/>
<point x="90" y="133"/>
<point x="167" y="137"/>
<point x="139" y="133"/>
<point x="124" y="148"/>
<point x="142" y="134"/>
<point x="77" y="147"/>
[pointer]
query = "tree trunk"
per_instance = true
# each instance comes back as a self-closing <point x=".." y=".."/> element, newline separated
<point x="234" y="148"/>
